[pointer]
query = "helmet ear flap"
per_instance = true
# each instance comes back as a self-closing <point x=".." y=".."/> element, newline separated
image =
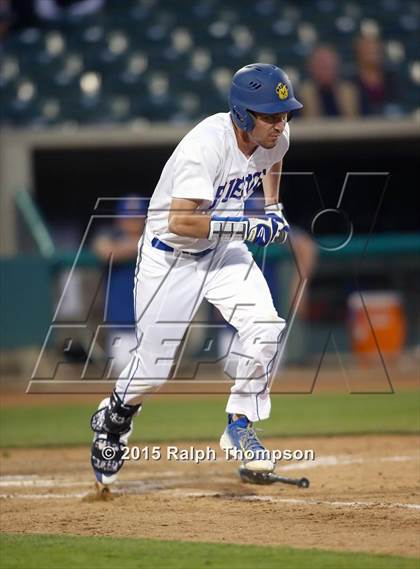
<point x="251" y="118"/>
<point x="242" y="118"/>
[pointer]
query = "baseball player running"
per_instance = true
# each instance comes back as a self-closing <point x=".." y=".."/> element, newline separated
<point x="193" y="248"/>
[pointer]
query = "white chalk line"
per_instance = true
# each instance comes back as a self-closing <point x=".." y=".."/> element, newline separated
<point x="298" y="501"/>
<point x="343" y="460"/>
<point x="35" y="481"/>
<point x="70" y="496"/>
<point x="133" y="487"/>
<point x="41" y="483"/>
<point x="17" y="477"/>
<point x="128" y="487"/>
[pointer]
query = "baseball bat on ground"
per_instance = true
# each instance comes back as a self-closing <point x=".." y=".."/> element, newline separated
<point x="253" y="477"/>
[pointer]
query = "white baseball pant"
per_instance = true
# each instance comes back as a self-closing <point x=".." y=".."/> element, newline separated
<point x="169" y="289"/>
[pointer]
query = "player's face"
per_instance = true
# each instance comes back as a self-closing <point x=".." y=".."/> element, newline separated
<point x="268" y="128"/>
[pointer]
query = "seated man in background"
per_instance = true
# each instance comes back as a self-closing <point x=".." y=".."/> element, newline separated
<point x="325" y="94"/>
<point x="117" y="247"/>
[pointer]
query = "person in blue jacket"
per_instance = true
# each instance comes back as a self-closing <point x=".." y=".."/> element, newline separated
<point x="117" y="246"/>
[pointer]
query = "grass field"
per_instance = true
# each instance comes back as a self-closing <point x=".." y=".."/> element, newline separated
<point x="170" y="419"/>
<point x="74" y="552"/>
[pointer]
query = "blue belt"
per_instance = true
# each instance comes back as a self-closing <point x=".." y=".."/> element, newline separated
<point x="158" y="244"/>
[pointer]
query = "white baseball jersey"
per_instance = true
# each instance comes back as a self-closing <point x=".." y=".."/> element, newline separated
<point x="208" y="165"/>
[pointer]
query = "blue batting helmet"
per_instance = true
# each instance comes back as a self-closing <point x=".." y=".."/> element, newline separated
<point x="262" y="88"/>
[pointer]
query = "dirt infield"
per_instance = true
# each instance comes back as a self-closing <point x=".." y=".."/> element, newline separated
<point x="363" y="497"/>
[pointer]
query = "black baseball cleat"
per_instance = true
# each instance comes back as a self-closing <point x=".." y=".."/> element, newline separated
<point x="112" y="424"/>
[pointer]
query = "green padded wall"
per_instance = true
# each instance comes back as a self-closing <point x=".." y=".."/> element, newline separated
<point x="25" y="301"/>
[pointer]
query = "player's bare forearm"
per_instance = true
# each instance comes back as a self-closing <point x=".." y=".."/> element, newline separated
<point x="190" y="225"/>
<point x="271" y="183"/>
<point x="186" y="221"/>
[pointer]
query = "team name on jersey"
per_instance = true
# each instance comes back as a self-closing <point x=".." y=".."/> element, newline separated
<point x="238" y="188"/>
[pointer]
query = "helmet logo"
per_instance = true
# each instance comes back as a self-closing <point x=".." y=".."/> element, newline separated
<point x="282" y="91"/>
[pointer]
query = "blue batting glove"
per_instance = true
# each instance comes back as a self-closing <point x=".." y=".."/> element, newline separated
<point x="275" y="211"/>
<point x="259" y="230"/>
<point x="262" y="230"/>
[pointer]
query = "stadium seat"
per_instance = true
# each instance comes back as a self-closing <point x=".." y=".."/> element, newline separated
<point x="153" y="51"/>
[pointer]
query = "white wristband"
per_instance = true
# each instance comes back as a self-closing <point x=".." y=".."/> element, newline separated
<point x="274" y="208"/>
<point x="228" y="228"/>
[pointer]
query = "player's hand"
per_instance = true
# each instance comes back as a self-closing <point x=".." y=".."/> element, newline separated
<point x="264" y="230"/>
<point x="275" y="211"/>
<point x="259" y="230"/>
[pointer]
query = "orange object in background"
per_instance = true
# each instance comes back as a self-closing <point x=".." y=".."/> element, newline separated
<point x="386" y="317"/>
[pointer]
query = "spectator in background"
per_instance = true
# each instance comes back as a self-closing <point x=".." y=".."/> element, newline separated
<point x="376" y="85"/>
<point x="117" y="247"/>
<point x="325" y="94"/>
